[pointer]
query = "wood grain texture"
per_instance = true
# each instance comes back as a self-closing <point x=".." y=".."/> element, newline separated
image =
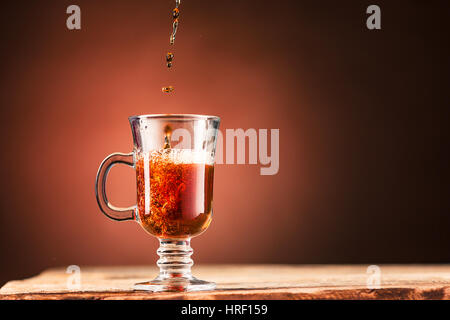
<point x="245" y="282"/>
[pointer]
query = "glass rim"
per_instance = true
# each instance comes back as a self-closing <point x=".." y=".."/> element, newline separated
<point x="175" y="117"/>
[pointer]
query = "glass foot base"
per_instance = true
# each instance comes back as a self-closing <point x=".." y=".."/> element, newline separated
<point x="175" y="284"/>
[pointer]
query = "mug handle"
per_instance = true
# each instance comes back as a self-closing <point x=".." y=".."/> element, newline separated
<point x="111" y="211"/>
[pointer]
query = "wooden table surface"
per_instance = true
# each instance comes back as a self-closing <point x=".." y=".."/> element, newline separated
<point x="245" y="282"/>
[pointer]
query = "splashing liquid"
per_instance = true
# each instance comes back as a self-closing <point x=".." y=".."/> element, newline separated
<point x="167" y="135"/>
<point x="169" y="55"/>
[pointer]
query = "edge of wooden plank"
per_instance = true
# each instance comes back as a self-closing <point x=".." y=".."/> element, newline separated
<point x="431" y="293"/>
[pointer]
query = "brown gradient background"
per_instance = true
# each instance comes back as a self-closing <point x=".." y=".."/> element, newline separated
<point x="363" y="116"/>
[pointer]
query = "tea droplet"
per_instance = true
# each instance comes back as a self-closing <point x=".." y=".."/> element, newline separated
<point x="177" y="3"/>
<point x="174" y="31"/>
<point x="169" y="64"/>
<point x="169" y="56"/>
<point x="175" y="13"/>
<point x="167" y="89"/>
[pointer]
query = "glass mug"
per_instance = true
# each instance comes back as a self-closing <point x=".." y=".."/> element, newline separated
<point x="173" y="156"/>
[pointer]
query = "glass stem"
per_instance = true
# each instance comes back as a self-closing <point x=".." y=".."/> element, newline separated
<point x="175" y="258"/>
